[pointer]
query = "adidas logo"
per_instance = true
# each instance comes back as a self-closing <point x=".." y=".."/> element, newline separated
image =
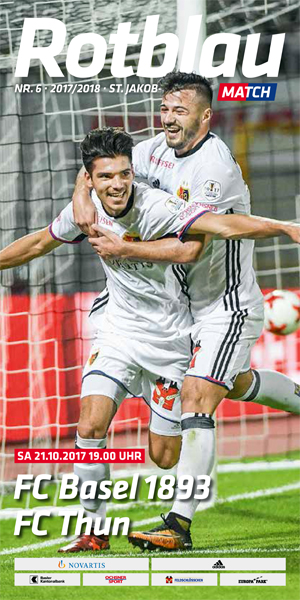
<point x="218" y="565"/>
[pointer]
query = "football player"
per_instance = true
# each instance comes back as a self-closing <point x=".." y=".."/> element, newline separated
<point x="142" y="321"/>
<point x="191" y="162"/>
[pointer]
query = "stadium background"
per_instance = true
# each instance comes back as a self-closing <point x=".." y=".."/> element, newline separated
<point x="45" y="337"/>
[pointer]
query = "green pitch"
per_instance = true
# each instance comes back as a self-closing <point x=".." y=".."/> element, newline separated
<point x="262" y="526"/>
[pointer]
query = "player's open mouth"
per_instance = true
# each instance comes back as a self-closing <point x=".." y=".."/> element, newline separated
<point x="116" y="196"/>
<point x="173" y="130"/>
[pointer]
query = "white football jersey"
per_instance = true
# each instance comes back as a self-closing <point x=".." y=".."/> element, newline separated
<point x="224" y="276"/>
<point x="140" y="300"/>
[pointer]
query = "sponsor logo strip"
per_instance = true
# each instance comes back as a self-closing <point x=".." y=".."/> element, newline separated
<point x="114" y="580"/>
<point x="82" y="564"/>
<point x="247" y="91"/>
<point x="47" y="579"/>
<point x="203" y="579"/>
<point x="215" y="564"/>
<point x="253" y="579"/>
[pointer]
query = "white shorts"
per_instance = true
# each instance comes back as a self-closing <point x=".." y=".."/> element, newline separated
<point x="222" y="344"/>
<point x="118" y="367"/>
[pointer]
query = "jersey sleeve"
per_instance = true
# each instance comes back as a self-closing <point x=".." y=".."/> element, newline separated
<point x="220" y="187"/>
<point x="64" y="228"/>
<point x="142" y="153"/>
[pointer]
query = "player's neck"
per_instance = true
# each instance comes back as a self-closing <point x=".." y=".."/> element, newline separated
<point x="193" y="145"/>
<point x="119" y="213"/>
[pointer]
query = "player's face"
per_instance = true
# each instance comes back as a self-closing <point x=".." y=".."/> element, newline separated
<point x="185" y="120"/>
<point x="112" y="181"/>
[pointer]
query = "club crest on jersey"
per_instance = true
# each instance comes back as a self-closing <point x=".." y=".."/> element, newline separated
<point x="174" y="205"/>
<point x="183" y="192"/>
<point x="93" y="357"/>
<point x="132" y="237"/>
<point x="165" y="393"/>
<point x="212" y="190"/>
<point x="297" y="389"/>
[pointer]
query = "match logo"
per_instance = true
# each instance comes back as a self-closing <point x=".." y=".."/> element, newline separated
<point x="247" y="91"/>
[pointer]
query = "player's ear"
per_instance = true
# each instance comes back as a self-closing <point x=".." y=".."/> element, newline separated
<point x="88" y="179"/>
<point x="207" y="114"/>
<point x="132" y="170"/>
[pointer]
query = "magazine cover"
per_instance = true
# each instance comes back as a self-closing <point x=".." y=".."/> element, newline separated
<point x="150" y="327"/>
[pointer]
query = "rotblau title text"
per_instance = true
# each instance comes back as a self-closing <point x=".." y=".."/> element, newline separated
<point x="31" y="53"/>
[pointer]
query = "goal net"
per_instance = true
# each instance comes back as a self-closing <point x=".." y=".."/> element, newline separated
<point x="45" y="336"/>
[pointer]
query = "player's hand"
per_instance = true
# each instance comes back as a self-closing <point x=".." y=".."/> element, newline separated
<point x="85" y="217"/>
<point x="294" y="232"/>
<point x="85" y="213"/>
<point x="107" y="244"/>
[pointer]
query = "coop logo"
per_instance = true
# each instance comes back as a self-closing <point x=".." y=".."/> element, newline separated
<point x="61" y="564"/>
<point x="218" y="565"/>
<point x="115" y="578"/>
<point x="255" y="580"/>
<point x="247" y="91"/>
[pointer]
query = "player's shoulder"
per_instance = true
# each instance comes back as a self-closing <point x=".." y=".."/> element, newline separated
<point x="150" y="144"/>
<point x="155" y="209"/>
<point x="146" y="194"/>
<point x="216" y="150"/>
<point x="216" y="158"/>
<point x="151" y="201"/>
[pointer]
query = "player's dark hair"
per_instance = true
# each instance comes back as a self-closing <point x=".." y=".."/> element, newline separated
<point x="108" y="142"/>
<point x="176" y="81"/>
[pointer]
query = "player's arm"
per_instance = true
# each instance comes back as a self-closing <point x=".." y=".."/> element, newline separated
<point x="237" y="226"/>
<point x="27" y="248"/>
<point x="109" y="245"/>
<point x="85" y="213"/>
